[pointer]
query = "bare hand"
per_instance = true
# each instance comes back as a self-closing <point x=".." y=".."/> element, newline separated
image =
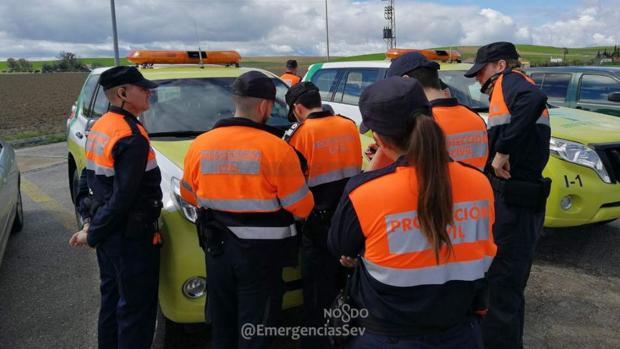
<point x="79" y="239"/>
<point x="501" y="165"/>
<point x="348" y="262"/>
<point x="370" y="151"/>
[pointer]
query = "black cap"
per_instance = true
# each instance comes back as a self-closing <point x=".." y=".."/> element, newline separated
<point x="254" y="84"/>
<point x="121" y="75"/>
<point x="390" y="106"/>
<point x="408" y="62"/>
<point x="291" y="63"/>
<point x="297" y="93"/>
<point x="492" y="53"/>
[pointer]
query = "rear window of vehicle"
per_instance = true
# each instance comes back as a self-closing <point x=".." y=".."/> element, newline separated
<point x="100" y="105"/>
<point x="354" y="83"/>
<point x="324" y="80"/>
<point x="596" y="88"/>
<point x="184" y="105"/>
<point x="555" y="86"/>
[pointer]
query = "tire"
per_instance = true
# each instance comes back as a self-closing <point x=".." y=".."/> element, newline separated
<point x="167" y="332"/>
<point x="18" y="223"/>
<point x="75" y="187"/>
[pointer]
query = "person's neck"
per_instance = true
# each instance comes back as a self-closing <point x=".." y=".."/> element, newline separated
<point x="256" y="119"/>
<point x="433" y="94"/>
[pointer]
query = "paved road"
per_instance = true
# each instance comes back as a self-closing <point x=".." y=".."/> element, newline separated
<point x="49" y="292"/>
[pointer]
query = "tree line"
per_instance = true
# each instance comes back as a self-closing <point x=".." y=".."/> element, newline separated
<point x="67" y="62"/>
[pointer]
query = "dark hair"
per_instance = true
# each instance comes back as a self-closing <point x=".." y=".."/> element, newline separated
<point x="429" y="155"/>
<point x="310" y="100"/>
<point x="428" y="77"/>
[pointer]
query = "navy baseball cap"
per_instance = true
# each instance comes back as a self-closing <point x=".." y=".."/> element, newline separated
<point x="254" y="84"/>
<point x="291" y="63"/>
<point x="390" y="106"/>
<point x="122" y="75"/>
<point x="408" y="62"/>
<point x="297" y="94"/>
<point x="492" y="53"/>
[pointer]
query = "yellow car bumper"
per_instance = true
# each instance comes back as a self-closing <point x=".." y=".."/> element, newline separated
<point x="592" y="200"/>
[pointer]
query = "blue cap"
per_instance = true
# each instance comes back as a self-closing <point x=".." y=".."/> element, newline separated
<point x="254" y="84"/>
<point x="122" y="75"/>
<point x="390" y="106"/>
<point x="492" y="53"/>
<point x="408" y="62"/>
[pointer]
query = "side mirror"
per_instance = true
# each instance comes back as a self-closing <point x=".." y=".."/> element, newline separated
<point x="614" y="97"/>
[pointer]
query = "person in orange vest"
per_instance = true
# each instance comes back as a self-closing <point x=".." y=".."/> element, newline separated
<point x="419" y="231"/>
<point x="332" y="148"/>
<point x="465" y="130"/>
<point x="291" y="77"/>
<point x="249" y="186"/>
<point x="123" y="176"/>
<point x="519" y="135"/>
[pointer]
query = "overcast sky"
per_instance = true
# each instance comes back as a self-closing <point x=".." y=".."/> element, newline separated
<point x="42" y="28"/>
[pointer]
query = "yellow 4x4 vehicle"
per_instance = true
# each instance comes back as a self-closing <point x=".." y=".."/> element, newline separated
<point x="188" y="102"/>
<point x="585" y="146"/>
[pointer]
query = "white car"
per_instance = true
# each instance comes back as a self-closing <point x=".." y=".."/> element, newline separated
<point x="11" y="211"/>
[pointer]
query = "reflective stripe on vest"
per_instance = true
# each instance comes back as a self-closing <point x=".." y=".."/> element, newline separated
<point x="468" y="145"/>
<point x="333" y="176"/>
<point x="264" y="233"/>
<point x="433" y="275"/>
<point x="498" y="110"/>
<point x="102" y="139"/>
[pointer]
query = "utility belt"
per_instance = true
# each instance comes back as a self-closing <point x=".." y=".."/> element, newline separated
<point x="141" y="223"/>
<point x="211" y="233"/>
<point x="317" y="224"/>
<point x="520" y="193"/>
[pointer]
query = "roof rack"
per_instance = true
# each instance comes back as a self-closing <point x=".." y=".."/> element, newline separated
<point x="431" y="55"/>
<point x="147" y="58"/>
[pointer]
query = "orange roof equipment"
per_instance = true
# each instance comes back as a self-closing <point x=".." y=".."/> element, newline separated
<point x="431" y="55"/>
<point x="147" y="57"/>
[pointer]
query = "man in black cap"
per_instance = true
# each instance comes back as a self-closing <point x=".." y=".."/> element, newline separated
<point x="291" y="76"/>
<point x="331" y="145"/>
<point x="519" y="133"/>
<point x="249" y="187"/>
<point x="123" y="176"/>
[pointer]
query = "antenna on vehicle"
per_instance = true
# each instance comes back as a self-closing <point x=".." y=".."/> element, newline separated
<point x="198" y="39"/>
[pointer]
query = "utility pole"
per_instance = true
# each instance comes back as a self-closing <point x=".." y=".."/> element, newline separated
<point x="114" y="34"/>
<point x="327" y="30"/>
<point x="389" y="30"/>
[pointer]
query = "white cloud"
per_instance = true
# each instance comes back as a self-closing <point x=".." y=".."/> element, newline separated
<point x="42" y="28"/>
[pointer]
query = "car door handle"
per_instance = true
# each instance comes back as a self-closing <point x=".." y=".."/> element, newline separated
<point x="79" y="135"/>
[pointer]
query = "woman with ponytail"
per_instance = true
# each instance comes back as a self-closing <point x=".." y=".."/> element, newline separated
<point x="419" y="229"/>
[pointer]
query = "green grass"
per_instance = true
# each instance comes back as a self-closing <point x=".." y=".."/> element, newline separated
<point x="29" y="138"/>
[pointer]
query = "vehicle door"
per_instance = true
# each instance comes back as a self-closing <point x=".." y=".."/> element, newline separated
<point x="78" y="127"/>
<point x="5" y="203"/>
<point x="556" y="87"/>
<point x="352" y="82"/>
<point x="594" y="91"/>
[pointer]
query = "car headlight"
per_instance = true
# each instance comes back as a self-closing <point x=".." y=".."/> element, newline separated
<point x="189" y="211"/>
<point x="579" y="154"/>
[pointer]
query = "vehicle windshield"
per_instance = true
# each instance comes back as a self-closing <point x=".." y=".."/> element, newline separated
<point x="192" y="106"/>
<point x="466" y="90"/>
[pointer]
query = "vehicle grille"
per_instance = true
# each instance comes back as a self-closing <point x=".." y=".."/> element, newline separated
<point x="610" y="155"/>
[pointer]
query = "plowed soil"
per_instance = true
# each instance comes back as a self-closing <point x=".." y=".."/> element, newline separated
<point x="37" y="103"/>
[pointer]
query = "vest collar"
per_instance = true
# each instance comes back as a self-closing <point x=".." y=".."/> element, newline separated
<point x="444" y="102"/>
<point x="319" y="114"/>
<point x="238" y="121"/>
<point x="128" y="116"/>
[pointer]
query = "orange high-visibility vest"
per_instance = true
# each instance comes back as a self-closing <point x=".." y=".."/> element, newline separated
<point x="498" y="110"/>
<point x="290" y="78"/>
<point x="243" y="169"/>
<point x="466" y="132"/>
<point x="331" y="146"/>
<point x="396" y="252"/>
<point x="102" y="138"/>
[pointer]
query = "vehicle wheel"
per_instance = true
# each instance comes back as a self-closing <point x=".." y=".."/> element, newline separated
<point x="18" y="223"/>
<point x="75" y="187"/>
<point x="167" y="332"/>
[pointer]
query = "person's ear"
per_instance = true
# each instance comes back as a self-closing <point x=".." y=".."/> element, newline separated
<point x="122" y="93"/>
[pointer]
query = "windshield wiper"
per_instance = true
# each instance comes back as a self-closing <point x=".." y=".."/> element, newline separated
<point x="176" y="134"/>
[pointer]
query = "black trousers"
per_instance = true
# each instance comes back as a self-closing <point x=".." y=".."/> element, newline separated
<point x="244" y="288"/>
<point x="516" y="232"/>
<point x="129" y="272"/>
<point x="323" y="277"/>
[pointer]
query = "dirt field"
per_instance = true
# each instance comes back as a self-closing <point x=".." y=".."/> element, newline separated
<point x="37" y="104"/>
